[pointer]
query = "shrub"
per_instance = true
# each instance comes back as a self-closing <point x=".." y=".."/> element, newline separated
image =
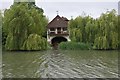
<point x="74" y="46"/>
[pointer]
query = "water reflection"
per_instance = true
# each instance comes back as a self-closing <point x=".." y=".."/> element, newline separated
<point x="61" y="64"/>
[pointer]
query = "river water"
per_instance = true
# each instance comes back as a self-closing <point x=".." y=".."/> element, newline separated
<point x="60" y="64"/>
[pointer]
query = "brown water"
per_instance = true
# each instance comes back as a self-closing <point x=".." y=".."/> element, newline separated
<point x="60" y="64"/>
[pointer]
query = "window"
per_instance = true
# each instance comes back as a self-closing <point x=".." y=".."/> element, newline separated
<point x="59" y="29"/>
<point x="52" y="29"/>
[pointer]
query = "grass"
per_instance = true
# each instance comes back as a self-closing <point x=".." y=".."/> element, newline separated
<point x="74" y="46"/>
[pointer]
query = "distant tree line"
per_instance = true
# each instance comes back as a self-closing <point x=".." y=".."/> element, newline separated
<point x="1" y="27"/>
<point x="24" y="27"/>
<point x="101" y="33"/>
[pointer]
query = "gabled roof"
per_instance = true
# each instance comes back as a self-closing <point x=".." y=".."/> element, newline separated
<point x="58" y="22"/>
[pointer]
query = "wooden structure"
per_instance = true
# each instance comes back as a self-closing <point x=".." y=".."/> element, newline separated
<point x="57" y="30"/>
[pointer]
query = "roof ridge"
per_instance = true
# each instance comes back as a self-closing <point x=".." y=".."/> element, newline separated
<point x="58" y="22"/>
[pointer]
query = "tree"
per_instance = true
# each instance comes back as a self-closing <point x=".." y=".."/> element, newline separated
<point x="118" y="31"/>
<point x="20" y="22"/>
<point x="108" y="31"/>
<point x="34" y="42"/>
<point x="102" y="32"/>
<point x="1" y="17"/>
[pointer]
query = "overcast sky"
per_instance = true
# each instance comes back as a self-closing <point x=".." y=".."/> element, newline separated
<point x="68" y="8"/>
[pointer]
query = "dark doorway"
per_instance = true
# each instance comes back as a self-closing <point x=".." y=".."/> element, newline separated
<point x="55" y="41"/>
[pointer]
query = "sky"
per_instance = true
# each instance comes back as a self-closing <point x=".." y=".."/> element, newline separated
<point x="70" y="8"/>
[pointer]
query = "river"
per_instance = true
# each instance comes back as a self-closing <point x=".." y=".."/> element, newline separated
<point x="60" y="64"/>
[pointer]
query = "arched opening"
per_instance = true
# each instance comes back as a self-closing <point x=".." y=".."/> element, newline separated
<point x="56" y="40"/>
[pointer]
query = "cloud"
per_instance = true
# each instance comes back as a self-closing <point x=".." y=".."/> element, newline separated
<point x="70" y="8"/>
<point x="75" y="9"/>
<point x="77" y="0"/>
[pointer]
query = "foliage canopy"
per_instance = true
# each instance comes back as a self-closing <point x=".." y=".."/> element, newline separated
<point x="102" y="32"/>
<point x="20" y="21"/>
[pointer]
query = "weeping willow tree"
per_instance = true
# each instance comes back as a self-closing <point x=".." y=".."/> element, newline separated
<point x="80" y="28"/>
<point x="102" y="32"/>
<point x="34" y="42"/>
<point x="119" y="24"/>
<point x="107" y="35"/>
<point x="119" y="30"/>
<point x="20" y="22"/>
<point x="1" y="17"/>
<point x="31" y="2"/>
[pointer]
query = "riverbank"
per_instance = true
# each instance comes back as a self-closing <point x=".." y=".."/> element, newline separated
<point x="75" y="46"/>
<point x="80" y="46"/>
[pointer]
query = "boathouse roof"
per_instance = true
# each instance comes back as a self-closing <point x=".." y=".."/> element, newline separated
<point x="58" y="22"/>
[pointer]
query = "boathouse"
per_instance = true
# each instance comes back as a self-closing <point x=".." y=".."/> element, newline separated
<point x="57" y="30"/>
